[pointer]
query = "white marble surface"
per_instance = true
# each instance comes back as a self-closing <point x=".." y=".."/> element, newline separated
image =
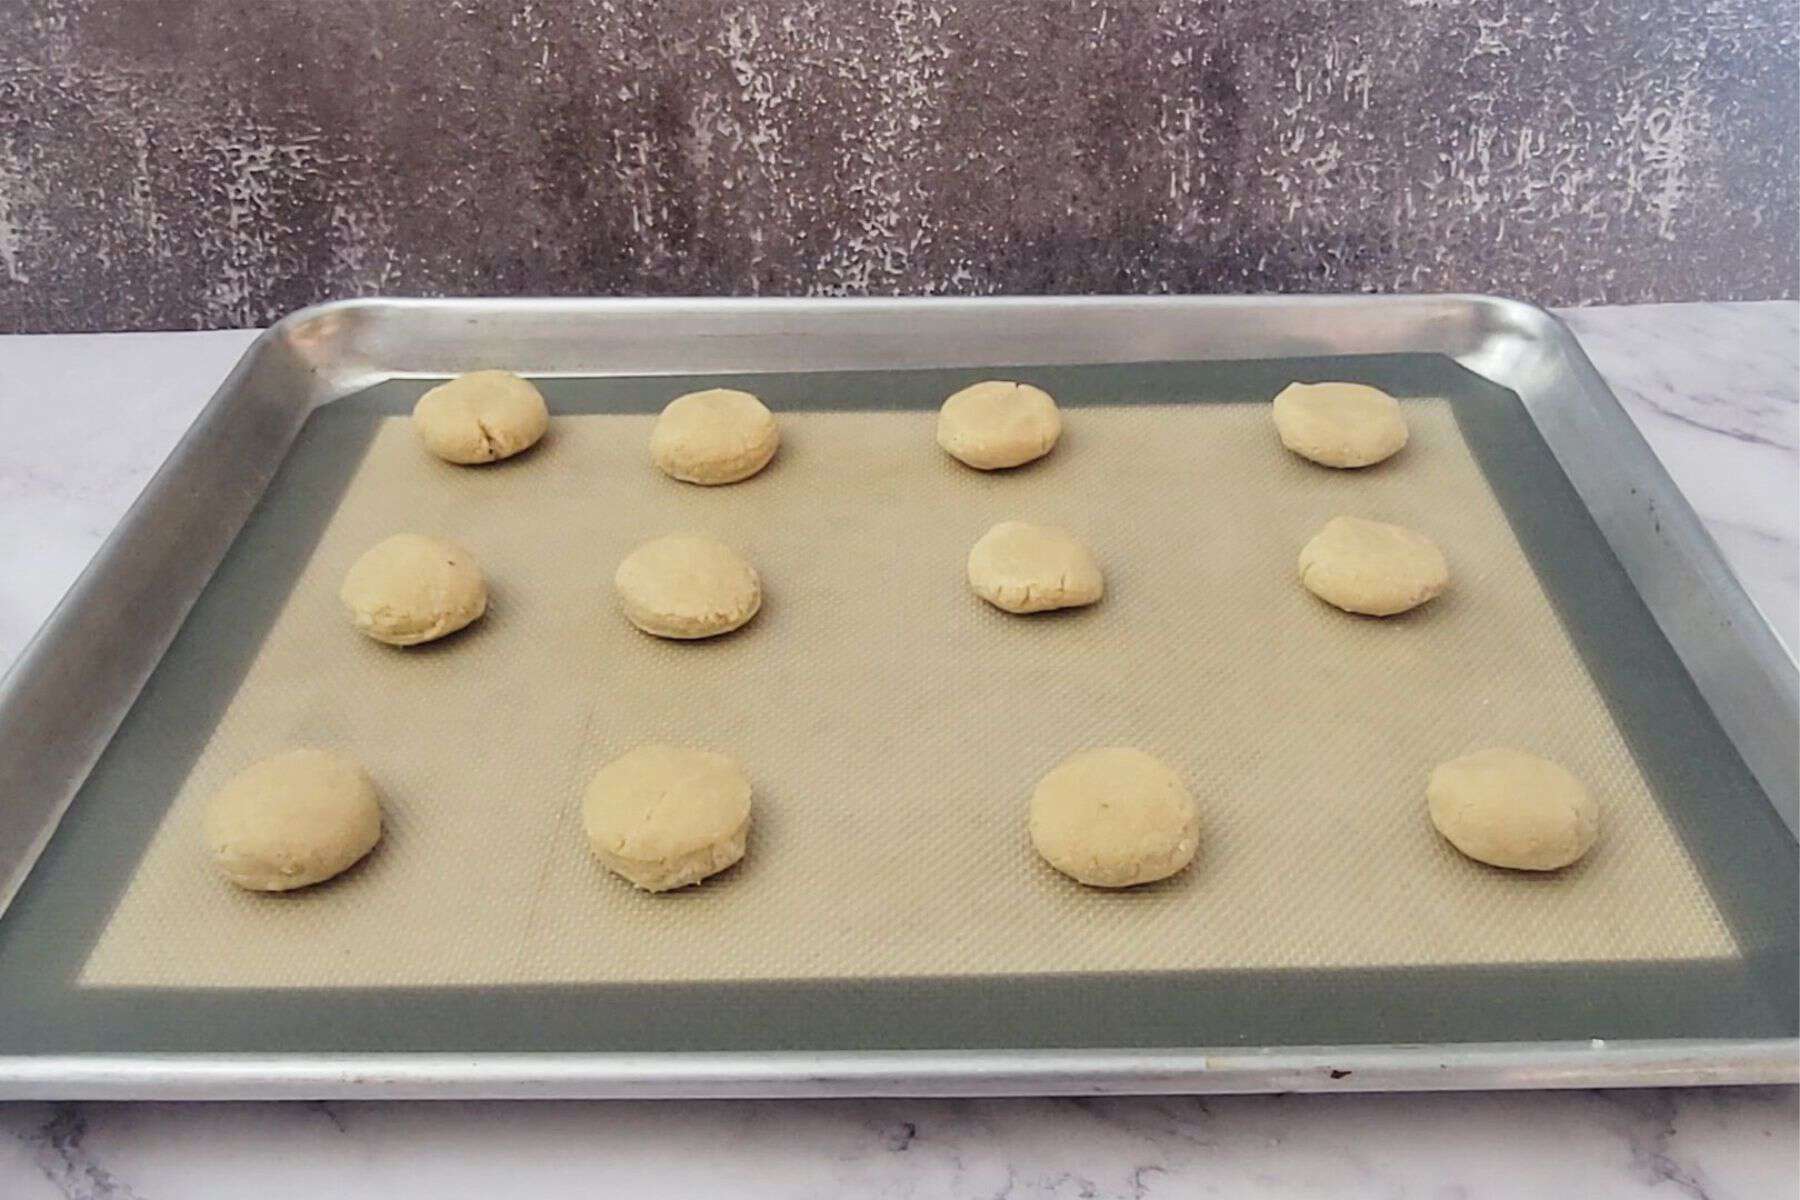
<point x="103" y="411"/>
<point x="1713" y="387"/>
<point x="1734" y="1144"/>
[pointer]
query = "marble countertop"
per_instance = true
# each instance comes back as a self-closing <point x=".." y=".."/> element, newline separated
<point x="1715" y="388"/>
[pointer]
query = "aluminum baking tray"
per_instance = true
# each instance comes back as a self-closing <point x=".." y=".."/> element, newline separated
<point x="97" y="728"/>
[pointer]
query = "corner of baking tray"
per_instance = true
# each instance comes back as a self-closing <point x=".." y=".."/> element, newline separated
<point x="334" y="342"/>
<point x="1739" y="663"/>
<point x="1501" y="332"/>
<point x="346" y="345"/>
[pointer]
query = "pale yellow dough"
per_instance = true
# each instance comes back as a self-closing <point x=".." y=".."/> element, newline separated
<point x="664" y="817"/>
<point x="481" y="417"/>
<point x="412" y="588"/>
<point x="682" y="586"/>
<point x="1026" y="568"/>
<point x="1513" y="809"/>
<point x="1339" y="424"/>
<point x="714" y="437"/>
<point x="292" y="820"/>
<point x="998" y="424"/>
<point x="1371" y="567"/>
<point x="1114" y="818"/>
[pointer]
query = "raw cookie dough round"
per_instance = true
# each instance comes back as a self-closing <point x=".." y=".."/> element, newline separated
<point x="1512" y="809"/>
<point x="665" y="817"/>
<point x="683" y="586"/>
<point x="292" y="820"/>
<point x="481" y="417"/>
<point x="1339" y="424"/>
<point x="712" y="437"/>
<point x="1026" y="568"/>
<point x="1371" y="567"/>
<point x="1114" y="818"/>
<point x="412" y="588"/>
<point x="998" y="424"/>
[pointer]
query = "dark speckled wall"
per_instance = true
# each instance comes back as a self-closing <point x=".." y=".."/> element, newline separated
<point x="181" y="163"/>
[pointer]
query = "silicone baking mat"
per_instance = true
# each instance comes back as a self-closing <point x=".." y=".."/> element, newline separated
<point x="894" y="725"/>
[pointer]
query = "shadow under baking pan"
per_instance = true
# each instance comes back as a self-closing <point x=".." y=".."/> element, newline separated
<point x="1745" y="855"/>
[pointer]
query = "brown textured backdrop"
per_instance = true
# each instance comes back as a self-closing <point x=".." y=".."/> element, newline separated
<point x="182" y="163"/>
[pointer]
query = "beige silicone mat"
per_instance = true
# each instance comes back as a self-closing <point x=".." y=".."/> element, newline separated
<point x="894" y="725"/>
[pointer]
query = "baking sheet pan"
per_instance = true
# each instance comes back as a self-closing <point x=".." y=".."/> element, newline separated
<point x="1323" y="910"/>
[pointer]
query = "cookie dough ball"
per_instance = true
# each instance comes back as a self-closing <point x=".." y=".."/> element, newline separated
<point x="481" y="417"/>
<point x="1025" y="568"/>
<point x="411" y="589"/>
<point x="1371" y="567"/>
<point x="665" y="817"/>
<point x="998" y="424"/>
<point x="712" y="437"/>
<point x="292" y="820"/>
<point x="1114" y="818"/>
<point x="1339" y="424"/>
<point x="1513" y="809"/>
<point x="683" y="586"/>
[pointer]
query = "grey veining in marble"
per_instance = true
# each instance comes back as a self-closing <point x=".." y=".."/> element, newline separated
<point x="1730" y="1144"/>
<point x="204" y="163"/>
